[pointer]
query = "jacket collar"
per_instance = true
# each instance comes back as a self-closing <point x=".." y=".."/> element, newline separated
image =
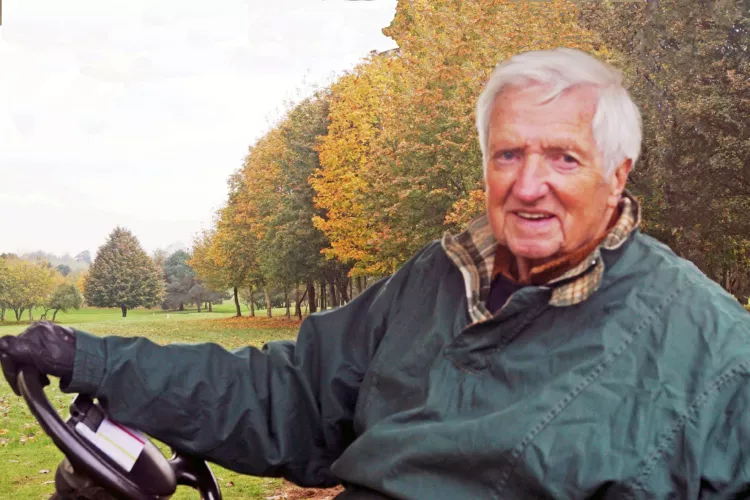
<point x="474" y="250"/>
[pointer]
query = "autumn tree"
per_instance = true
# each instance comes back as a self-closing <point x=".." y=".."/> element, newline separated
<point x="202" y="261"/>
<point x="224" y="256"/>
<point x="413" y="162"/>
<point x="27" y="284"/>
<point x="123" y="275"/>
<point x="5" y="284"/>
<point x="342" y="192"/>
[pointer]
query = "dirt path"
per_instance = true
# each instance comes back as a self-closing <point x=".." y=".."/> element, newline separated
<point x="291" y="492"/>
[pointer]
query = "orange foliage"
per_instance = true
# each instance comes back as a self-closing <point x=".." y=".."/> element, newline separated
<point x="400" y="163"/>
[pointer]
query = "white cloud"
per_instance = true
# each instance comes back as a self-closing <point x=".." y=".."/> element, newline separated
<point x="135" y="112"/>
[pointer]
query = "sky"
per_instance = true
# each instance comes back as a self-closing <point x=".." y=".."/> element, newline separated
<point x="134" y="113"/>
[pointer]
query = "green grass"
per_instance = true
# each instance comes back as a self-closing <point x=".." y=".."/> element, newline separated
<point x="26" y="452"/>
<point x="98" y="315"/>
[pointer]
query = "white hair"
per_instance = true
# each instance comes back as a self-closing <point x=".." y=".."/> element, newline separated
<point x="616" y="125"/>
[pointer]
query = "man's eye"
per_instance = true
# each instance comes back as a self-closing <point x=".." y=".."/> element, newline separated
<point x="564" y="160"/>
<point x="506" y="155"/>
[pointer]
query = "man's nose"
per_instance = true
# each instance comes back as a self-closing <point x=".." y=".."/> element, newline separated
<point x="531" y="183"/>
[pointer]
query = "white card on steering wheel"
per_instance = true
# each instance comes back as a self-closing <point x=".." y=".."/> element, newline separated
<point x="120" y="443"/>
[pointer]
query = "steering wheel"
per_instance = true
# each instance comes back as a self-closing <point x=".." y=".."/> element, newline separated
<point x="152" y="476"/>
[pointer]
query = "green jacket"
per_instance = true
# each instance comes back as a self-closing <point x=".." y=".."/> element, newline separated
<point x="639" y="391"/>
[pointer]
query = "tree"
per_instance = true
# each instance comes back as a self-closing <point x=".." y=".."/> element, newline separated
<point x="401" y="164"/>
<point x="160" y="258"/>
<point x="123" y="275"/>
<point x="84" y="256"/>
<point x="65" y="297"/>
<point x="180" y="280"/>
<point x="291" y="252"/>
<point x="224" y="257"/>
<point x="27" y="284"/>
<point x="690" y="73"/>
<point x="63" y="269"/>
<point x="184" y="287"/>
<point x="340" y="183"/>
<point x="5" y="284"/>
<point x="58" y="280"/>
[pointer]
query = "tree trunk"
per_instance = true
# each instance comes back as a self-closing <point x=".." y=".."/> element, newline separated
<point x="364" y="278"/>
<point x="210" y="307"/>
<point x="334" y="298"/>
<point x="297" y="308"/>
<point x="198" y="304"/>
<point x="18" y="313"/>
<point x="237" y="302"/>
<point x="2" y="313"/>
<point x="31" y="313"/>
<point x="252" y="303"/>
<point x="342" y="285"/>
<point x="351" y="288"/>
<point x="359" y="285"/>
<point x="124" y="310"/>
<point x="268" y="302"/>
<point x="286" y="300"/>
<point x="299" y="302"/>
<point x="182" y="306"/>
<point x="323" y="295"/>
<point x="54" y="315"/>
<point x="311" y="298"/>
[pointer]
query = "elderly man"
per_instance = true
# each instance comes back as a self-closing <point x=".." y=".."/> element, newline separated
<point x="549" y="351"/>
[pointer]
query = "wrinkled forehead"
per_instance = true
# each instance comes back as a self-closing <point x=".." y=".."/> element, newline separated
<point x="536" y="111"/>
<point x="577" y="99"/>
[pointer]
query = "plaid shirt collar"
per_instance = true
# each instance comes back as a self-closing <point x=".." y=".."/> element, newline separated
<point x="473" y="251"/>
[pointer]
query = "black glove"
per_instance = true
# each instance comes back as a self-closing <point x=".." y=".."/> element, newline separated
<point x="50" y="348"/>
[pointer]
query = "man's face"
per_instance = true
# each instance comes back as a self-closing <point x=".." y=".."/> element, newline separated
<point x="547" y="195"/>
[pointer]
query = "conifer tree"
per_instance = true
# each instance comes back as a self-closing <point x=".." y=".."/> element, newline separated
<point x="123" y="275"/>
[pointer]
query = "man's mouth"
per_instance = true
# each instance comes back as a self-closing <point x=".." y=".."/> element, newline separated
<point x="533" y="215"/>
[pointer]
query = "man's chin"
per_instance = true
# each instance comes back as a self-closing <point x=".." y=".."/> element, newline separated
<point x="536" y="254"/>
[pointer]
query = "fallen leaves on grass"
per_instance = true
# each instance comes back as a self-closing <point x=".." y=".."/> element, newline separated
<point x="291" y="492"/>
<point x="254" y="322"/>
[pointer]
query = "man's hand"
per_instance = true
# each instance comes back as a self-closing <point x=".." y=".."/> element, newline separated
<point x="50" y="348"/>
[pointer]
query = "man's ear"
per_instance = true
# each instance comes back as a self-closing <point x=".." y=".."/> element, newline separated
<point x="618" y="181"/>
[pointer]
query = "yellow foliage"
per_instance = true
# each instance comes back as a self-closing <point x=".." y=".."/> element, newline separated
<point x="400" y="163"/>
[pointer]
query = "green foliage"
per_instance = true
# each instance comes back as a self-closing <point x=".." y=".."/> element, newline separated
<point x="24" y="284"/>
<point x="123" y="275"/>
<point x="180" y="279"/>
<point x="689" y="69"/>
<point x="4" y="287"/>
<point x="183" y="286"/>
<point x="290" y="252"/>
<point x="63" y="269"/>
<point x="65" y="298"/>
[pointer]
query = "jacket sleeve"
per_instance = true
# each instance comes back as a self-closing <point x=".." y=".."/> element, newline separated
<point x="283" y="410"/>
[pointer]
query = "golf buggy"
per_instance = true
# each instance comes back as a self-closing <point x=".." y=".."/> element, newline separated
<point x="105" y="460"/>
